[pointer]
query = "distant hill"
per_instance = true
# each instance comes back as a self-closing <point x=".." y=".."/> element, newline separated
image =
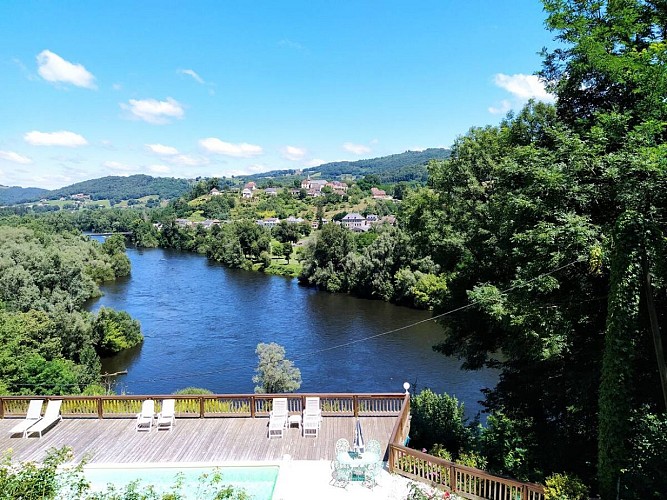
<point x="111" y="188"/>
<point x="125" y="188"/>
<point x="408" y="166"/>
<point x="15" y="194"/>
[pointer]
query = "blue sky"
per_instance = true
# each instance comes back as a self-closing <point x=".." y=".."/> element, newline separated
<point x="203" y="88"/>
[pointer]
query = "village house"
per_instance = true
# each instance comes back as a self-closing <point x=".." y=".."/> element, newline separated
<point x="268" y="222"/>
<point x="293" y="220"/>
<point x="354" y="220"/>
<point x="246" y="193"/>
<point x="250" y="185"/>
<point x="379" y="194"/>
<point x="271" y="191"/>
<point x="214" y="192"/>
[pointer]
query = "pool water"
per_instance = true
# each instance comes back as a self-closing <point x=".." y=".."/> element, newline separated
<point x="258" y="482"/>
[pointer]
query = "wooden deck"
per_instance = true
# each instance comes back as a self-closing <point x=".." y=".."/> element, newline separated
<point x="209" y="440"/>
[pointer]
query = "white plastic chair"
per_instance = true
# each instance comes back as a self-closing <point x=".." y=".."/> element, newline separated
<point x="167" y="417"/>
<point x="51" y="416"/>
<point x="32" y="417"/>
<point x="145" y="418"/>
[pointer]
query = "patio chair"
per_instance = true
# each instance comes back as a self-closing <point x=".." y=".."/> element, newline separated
<point x="167" y="417"/>
<point x="279" y="411"/>
<point x="341" y="474"/>
<point x="32" y="417"/>
<point x="373" y="448"/>
<point x="310" y="425"/>
<point x="145" y="418"/>
<point x="312" y="408"/>
<point x="51" y="417"/>
<point x="373" y="457"/>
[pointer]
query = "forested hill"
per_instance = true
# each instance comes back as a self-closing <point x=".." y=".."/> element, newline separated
<point x="408" y="166"/>
<point x="111" y="187"/>
<point x="123" y="188"/>
<point x="15" y="194"/>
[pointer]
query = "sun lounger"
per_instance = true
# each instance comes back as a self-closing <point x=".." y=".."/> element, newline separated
<point x="32" y="417"/>
<point x="311" y="425"/>
<point x="51" y="417"/>
<point x="145" y="418"/>
<point x="167" y="417"/>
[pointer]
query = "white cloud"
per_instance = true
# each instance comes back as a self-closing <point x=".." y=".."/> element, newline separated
<point x="193" y="74"/>
<point x="187" y="160"/>
<point x="54" y="68"/>
<point x="239" y="150"/>
<point x="117" y="86"/>
<point x="315" y="162"/>
<point x="523" y="87"/>
<point x="154" y="111"/>
<point x="161" y="149"/>
<point x="61" y="138"/>
<point x="14" y="157"/>
<point x="503" y="108"/>
<point x="116" y="166"/>
<point x="159" y="169"/>
<point x="357" y="149"/>
<point x="293" y="153"/>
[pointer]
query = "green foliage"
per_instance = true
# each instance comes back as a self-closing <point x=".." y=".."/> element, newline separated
<point x="504" y="443"/>
<point x="438" y="418"/>
<point x="644" y="476"/>
<point x="564" y="487"/>
<point x="274" y="373"/>
<point x="125" y="188"/>
<point x="116" y="330"/>
<point x="193" y="390"/>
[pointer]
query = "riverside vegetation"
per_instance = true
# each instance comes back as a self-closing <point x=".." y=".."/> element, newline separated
<point x="546" y="233"/>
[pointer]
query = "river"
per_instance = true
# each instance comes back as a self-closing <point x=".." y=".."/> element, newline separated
<point x="202" y="323"/>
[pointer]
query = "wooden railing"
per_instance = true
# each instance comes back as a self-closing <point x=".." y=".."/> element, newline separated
<point x="466" y="482"/>
<point x="210" y="405"/>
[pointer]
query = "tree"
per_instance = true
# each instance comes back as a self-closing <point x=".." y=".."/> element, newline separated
<point x="274" y="373"/>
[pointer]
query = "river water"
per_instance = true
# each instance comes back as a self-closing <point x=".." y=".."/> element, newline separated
<point x="202" y="323"/>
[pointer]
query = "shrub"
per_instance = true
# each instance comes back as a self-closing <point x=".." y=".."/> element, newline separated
<point x="564" y="487"/>
<point x="438" y="419"/>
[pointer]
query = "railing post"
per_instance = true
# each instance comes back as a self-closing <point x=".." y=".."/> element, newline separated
<point x="252" y="406"/>
<point x="355" y="405"/>
<point x="524" y="492"/>
<point x="2" y="408"/>
<point x="202" y="407"/>
<point x="100" y="408"/>
<point x="452" y="478"/>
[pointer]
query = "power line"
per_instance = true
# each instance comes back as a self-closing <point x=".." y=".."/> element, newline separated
<point x="181" y="375"/>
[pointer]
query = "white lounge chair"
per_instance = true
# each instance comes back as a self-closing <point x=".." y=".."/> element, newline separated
<point x="312" y="408"/>
<point x="167" y="417"/>
<point x="32" y="417"/>
<point x="278" y="417"/>
<point x="311" y="425"/>
<point x="279" y="410"/>
<point x="145" y="418"/>
<point x="51" y="416"/>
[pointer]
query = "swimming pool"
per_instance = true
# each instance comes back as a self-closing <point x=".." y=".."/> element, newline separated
<point x="257" y="481"/>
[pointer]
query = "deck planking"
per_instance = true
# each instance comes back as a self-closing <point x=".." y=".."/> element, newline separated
<point x="208" y="440"/>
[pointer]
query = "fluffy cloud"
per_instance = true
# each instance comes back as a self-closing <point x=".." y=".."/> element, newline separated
<point x="239" y="150"/>
<point x="54" y="68"/>
<point x="193" y="74"/>
<point x="523" y="87"/>
<point x="161" y="149"/>
<point x="14" y="157"/>
<point x="357" y="149"/>
<point x="159" y="169"/>
<point x="187" y="160"/>
<point x="503" y="108"/>
<point x="154" y="111"/>
<point x="293" y="153"/>
<point x="315" y="162"/>
<point x="61" y="138"/>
